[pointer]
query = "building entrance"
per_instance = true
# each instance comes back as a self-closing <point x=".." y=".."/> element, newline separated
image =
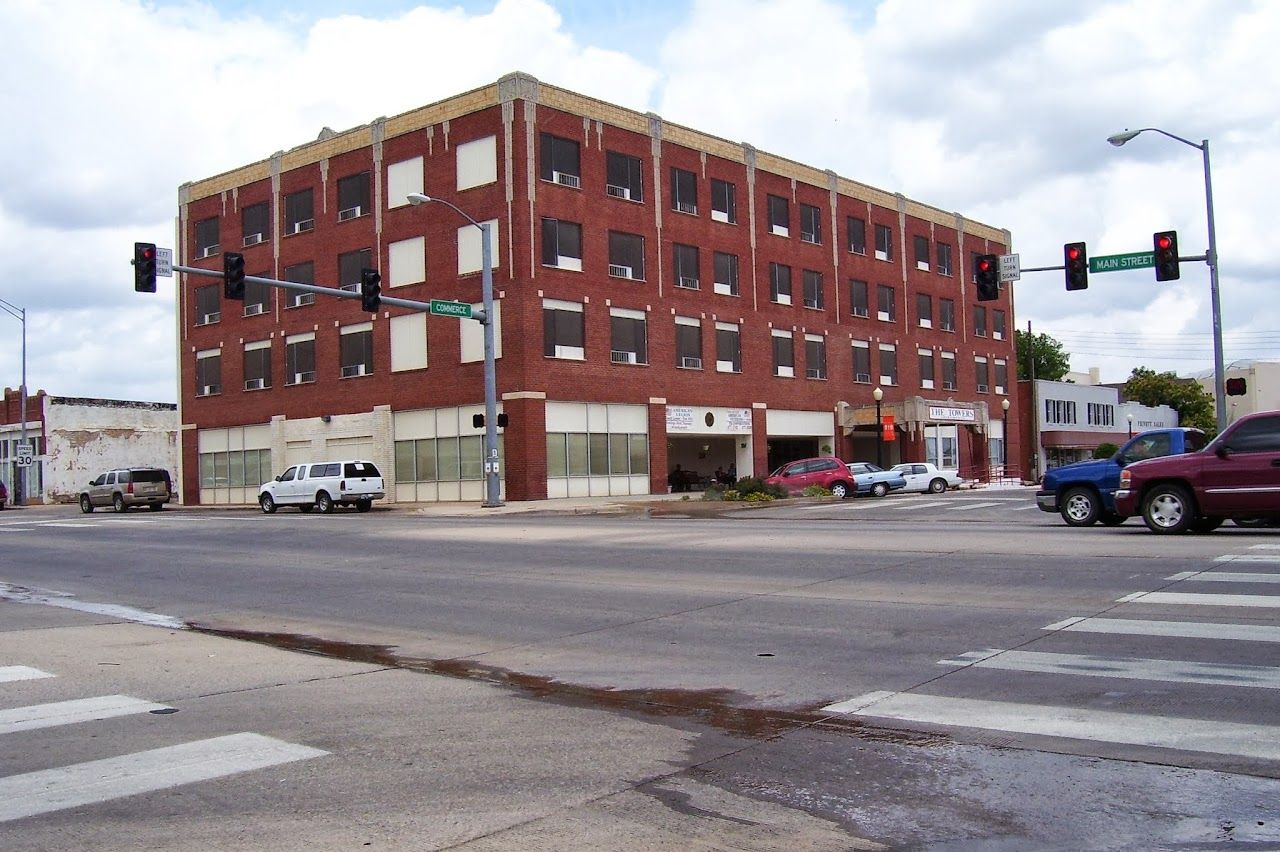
<point x="699" y="457"/>
<point x="783" y="450"/>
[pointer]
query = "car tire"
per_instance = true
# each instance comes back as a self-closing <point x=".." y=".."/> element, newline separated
<point x="1168" y="508"/>
<point x="324" y="503"/>
<point x="267" y="503"/>
<point x="86" y="505"/>
<point x="117" y="503"/>
<point x="364" y="505"/>
<point x="1111" y="519"/>
<point x="840" y="489"/>
<point x="879" y="489"/>
<point x="1080" y="507"/>
<point x="937" y="486"/>
<point x="1205" y="524"/>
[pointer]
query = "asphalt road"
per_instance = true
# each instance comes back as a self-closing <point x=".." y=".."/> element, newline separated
<point x="915" y="670"/>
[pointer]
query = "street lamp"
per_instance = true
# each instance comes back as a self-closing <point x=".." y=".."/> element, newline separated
<point x="1130" y="425"/>
<point x="1004" y="448"/>
<point x="878" y="395"/>
<point x="491" y="481"/>
<point x="1211" y="257"/>
<point x="20" y="476"/>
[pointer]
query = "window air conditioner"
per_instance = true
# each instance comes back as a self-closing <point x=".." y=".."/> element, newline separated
<point x="618" y="191"/>
<point x="949" y="386"/>
<point x="926" y="323"/>
<point x="573" y="263"/>
<point x="304" y="378"/>
<point x="882" y="255"/>
<point x="927" y="384"/>
<point x="210" y="390"/>
<point x="688" y="282"/>
<point x="575" y="353"/>
<point x="719" y="216"/>
<point x="254" y="310"/>
<point x="883" y="316"/>
<point x="982" y="388"/>
<point x="213" y="317"/>
<point x="352" y="370"/>
<point x="781" y="230"/>
<point x="303" y="225"/>
<point x="350" y="288"/>
<point x="252" y="239"/>
<point x="862" y="377"/>
<point x="254" y="384"/>
<point x="725" y="289"/>
<point x="860" y="312"/>
<point x="567" y="179"/>
<point x="691" y="363"/>
<point x="304" y="299"/>
<point x="808" y="238"/>
<point x="997" y="335"/>
<point x="726" y="367"/>
<point x="783" y="298"/>
<point x="887" y="380"/>
<point x="619" y="357"/>
<point x="787" y="372"/>
<point x="686" y="207"/>
<point x="811" y="303"/>
<point x="349" y="213"/>
<point x="210" y="251"/>
<point x="1000" y="390"/>
<point x="619" y="270"/>
<point x="814" y="373"/>
<point x="922" y="265"/>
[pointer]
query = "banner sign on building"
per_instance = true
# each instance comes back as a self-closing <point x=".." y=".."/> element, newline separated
<point x="939" y="412"/>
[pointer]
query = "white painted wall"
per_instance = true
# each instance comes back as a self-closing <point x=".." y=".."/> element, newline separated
<point x="85" y="437"/>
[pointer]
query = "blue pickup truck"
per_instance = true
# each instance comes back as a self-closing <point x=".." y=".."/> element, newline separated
<point x="1084" y="493"/>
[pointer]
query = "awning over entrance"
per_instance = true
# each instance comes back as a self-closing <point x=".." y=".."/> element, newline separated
<point x="1081" y="440"/>
<point x="914" y="414"/>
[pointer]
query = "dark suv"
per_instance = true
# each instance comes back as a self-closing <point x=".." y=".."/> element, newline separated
<point x="126" y="487"/>
<point x="830" y="473"/>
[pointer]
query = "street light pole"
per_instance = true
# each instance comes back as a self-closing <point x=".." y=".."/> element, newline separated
<point x="1211" y="258"/>
<point x="491" y="481"/>
<point x="1004" y="446"/>
<point x="878" y="395"/>
<point x="1130" y="425"/>
<point x="20" y="475"/>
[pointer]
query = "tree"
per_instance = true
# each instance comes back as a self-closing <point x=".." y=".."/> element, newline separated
<point x="1192" y="402"/>
<point x="1050" y="361"/>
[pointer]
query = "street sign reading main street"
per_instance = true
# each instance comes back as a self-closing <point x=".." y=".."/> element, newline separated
<point x="444" y="308"/>
<point x="1117" y="262"/>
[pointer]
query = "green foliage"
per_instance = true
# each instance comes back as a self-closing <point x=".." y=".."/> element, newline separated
<point x="732" y="494"/>
<point x="815" y="491"/>
<point x="1105" y="450"/>
<point x="749" y="485"/>
<point x="758" y="497"/>
<point x="713" y="492"/>
<point x="1050" y="361"/>
<point x="1193" y="403"/>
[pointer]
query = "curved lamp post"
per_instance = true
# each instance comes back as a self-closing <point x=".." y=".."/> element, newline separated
<point x="1211" y="257"/>
<point x="491" y="481"/>
<point x="878" y="395"/>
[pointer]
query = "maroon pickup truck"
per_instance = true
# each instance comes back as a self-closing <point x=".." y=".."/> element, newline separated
<point x="1236" y="476"/>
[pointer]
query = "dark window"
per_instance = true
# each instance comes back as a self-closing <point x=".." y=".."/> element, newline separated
<point x="299" y="213"/>
<point x="726" y="271"/>
<point x="1260" y="435"/>
<point x="885" y="303"/>
<point x="686" y="266"/>
<point x="1002" y="383"/>
<point x="862" y="364"/>
<point x="944" y="259"/>
<point x="358" y="469"/>
<point x="349" y="266"/>
<point x="300" y="273"/>
<point x="724" y="201"/>
<point x="857" y="231"/>
<point x="209" y="375"/>
<point x="684" y="191"/>
<point x="926" y="369"/>
<point x="780" y="283"/>
<point x="813" y="289"/>
<point x="884" y="242"/>
<point x="688" y="345"/>
<point x="257" y="368"/>
<point x="729" y="348"/>
<point x="626" y="255"/>
<point x="948" y="373"/>
<point x="920" y="246"/>
<point x="997" y="324"/>
<point x="562" y="329"/>
<point x="628" y="340"/>
<point x="858" y="304"/>
<point x="784" y="358"/>
<point x="208" y="304"/>
<point x="983" y="375"/>
<point x="300" y="362"/>
<point x="255" y="296"/>
<point x="559" y="161"/>
<point x="562" y="244"/>
<point x="815" y="358"/>
<point x="779" y="215"/>
<point x="888" y="365"/>
<point x="980" y="321"/>
<point x="924" y="310"/>
<point x="207" y="237"/>
<point x="353" y="196"/>
<point x="255" y="223"/>
<point x="623" y="176"/>
<point x="810" y="223"/>
<point x="356" y="352"/>
<point x="947" y="314"/>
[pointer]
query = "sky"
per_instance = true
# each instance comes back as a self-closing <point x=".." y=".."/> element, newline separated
<point x="996" y="109"/>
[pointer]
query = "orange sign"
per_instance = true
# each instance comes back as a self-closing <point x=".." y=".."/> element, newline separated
<point x="886" y="431"/>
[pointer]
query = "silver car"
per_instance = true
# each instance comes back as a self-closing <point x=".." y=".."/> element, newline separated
<point x="127" y="487"/>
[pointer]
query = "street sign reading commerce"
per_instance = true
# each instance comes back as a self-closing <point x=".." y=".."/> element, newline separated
<point x="444" y="308"/>
<point x="1117" y="262"/>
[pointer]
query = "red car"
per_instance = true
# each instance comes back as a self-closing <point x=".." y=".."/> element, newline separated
<point x="4" y="495"/>
<point x="1236" y="476"/>
<point x="831" y="473"/>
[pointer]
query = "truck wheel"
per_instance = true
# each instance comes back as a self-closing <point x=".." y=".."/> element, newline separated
<point x="364" y="505"/>
<point x="879" y="489"/>
<point x="267" y="504"/>
<point x="324" y="503"/>
<point x="1167" y="508"/>
<point x="1206" y="525"/>
<point x="1080" y="507"/>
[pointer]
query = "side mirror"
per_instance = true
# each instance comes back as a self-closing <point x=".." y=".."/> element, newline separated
<point x="280" y="478"/>
<point x="1222" y="451"/>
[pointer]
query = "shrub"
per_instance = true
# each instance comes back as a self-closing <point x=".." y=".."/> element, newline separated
<point x="713" y="492"/>
<point x="1105" y="451"/>
<point x="815" y="491"/>
<point x="754" y="485"/>
<point x="732" y="494"/>
<point x="758" y="497"/>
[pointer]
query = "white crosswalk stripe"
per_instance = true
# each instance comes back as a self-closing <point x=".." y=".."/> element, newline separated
<point x="143" y="772"/>
<point x="1092" y="665"/>
<point x="1172" y="629"/>
<point x="1194" y="599"/>
<point x="8" y="674"/>
<point x="1271" y="558"/>
<point x="928" y="504"/>
<point x="1224" y="577"/>
<point x="71" y="712"/>
<point x="981" y="505"/>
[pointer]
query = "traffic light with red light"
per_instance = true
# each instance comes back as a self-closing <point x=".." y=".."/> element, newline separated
<point x="1235" y="387"/>
<point x="144" y="267"/>
<point x="986" y="271"/>
<point x="233" y="275"/>
<point x="1075" y="259"/>
<point x="370" y="289"/>
<point x="1166" y="255"/>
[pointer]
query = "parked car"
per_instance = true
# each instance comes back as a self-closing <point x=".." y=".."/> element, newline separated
<point x="872" y="479"/>
<point x="828" y="472"/>
<point x="4" y="495"/>
<point x="922" y="477"/>
<point x="1236" y="476"/>
<point x="124" y="488"/>
<point x="324" y="485"/>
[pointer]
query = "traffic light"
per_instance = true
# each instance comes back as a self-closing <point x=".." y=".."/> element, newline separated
<point x="1166" y="251"/>
<point x="144" y="267"/>
<point x="1235" y="387"/>
<point x="370" y="289"/>
<point x="233" y="272"/>
<point x="477" y="420"/>
<point x="986" y="270"/>
<point x="1075" y="259"/>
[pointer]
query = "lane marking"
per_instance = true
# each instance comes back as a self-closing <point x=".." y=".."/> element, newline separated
<point x="144" y="772"/>
<point x="70" y="712"/>
<point x="1264" y="547"/>
<point x="1128" y="668"/>
<point x="982" y="505"/>
<point x="1249" y="557"/>
<point x="1172" y="629"/>
<point x="1024" y="508"/>
<point x="63" y="600"/>
<point x="1224" y="577"/>
<point x="1194" y="599"/>
<point x="928" y="504"/>
<point x="17" y="529"/>
<point x="1198" y="735"/>
<point x="75" y="525"/>
<point x="8" y="674"/>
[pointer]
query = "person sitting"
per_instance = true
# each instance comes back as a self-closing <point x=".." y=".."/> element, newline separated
<point x="677" y="481"/>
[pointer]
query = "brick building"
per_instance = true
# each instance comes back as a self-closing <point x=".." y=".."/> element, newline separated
<point x="663" y="297"/>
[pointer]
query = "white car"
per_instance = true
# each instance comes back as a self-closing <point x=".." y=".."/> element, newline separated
<point x="323" y="486"/>
<point x="922" y="476"/>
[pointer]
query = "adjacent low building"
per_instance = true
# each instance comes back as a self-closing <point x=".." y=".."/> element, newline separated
<point x="663" y="297"/>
